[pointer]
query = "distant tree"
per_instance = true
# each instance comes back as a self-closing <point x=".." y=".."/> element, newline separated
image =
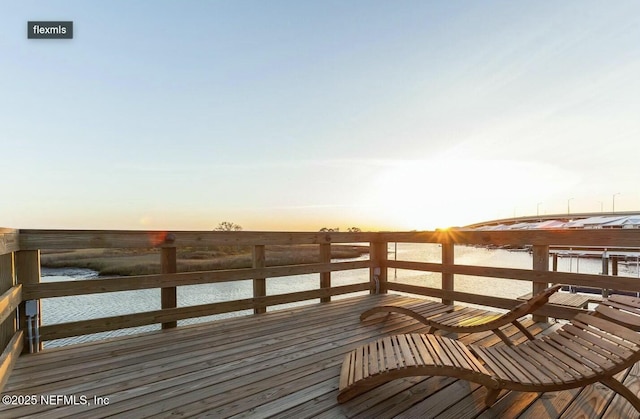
<point x="329" y="230"/>
<point x="354" y="230"/>
<point x="229" y="249"/>
<point x="228" y="226"/>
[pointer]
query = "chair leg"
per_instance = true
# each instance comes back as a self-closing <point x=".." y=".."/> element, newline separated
<point x="619" y="388"/>
<point x="502" y="336"/>
<point x="491" y="397"/>
<point x="523" y="330"/>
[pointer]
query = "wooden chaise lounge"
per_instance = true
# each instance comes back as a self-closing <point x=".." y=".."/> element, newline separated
<point x="459" y="319"/>
<point x="589" y="349"/>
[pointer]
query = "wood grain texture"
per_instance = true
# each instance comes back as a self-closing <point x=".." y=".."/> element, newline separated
<point x="378" y="255"/>
<point x="259" y="284"/>
<point x="8" y="320"/>
<point x="9" y="357"/>
<point x="325" y="277"/>
<point x="9" y="240"/>
<point x="540" y="264"/>
<point x="28" y="273"/>
<point x="447" y="277"/>
<point x="9" y="302"/>
<point x="168" y="295"/>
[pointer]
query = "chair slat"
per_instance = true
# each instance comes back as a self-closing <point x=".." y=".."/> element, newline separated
<point x="545" y="363"/>
<point x="390" y="356"/>
<point x="374" y="359"/>
<point x="571" y="366"/>
<point x="405" y="350"/>
<point x="423" y="349"/>
<point x="605" y="341"/>
<point x="439" y="352"/>
<point x="613" y="328"/>
<point x="524" y="365"/>
<point x="596" y="362"/>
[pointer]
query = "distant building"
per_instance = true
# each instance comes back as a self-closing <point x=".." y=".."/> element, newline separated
<point x="593" y="222"/>
<point x="596" y="222"/>
<point x="625" y="222"/>
<point x="632" y="222"/>
<point x="549" y="224"/>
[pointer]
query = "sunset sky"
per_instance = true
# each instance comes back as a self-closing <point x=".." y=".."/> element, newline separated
<point x="297" y="115"/>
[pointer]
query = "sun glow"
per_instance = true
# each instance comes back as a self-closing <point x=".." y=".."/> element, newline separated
<point x="428" y="194"/>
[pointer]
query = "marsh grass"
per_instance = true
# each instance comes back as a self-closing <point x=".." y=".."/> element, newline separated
<point x="147" y="261"/>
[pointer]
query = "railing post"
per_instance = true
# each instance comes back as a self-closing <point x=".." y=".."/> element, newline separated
<point x="169" y="296"/>
<point x="325" y="277"/>
<point x="605" y="271"/>
<point x="378" y="270"/>
<point x="447" y="278"/>
<point x="540" y="263"/>
<point x="7" y="280"/>
<point x="259" y="284"/>
<point x="28" y="272"/>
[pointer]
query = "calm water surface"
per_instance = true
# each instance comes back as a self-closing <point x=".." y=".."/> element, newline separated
<point x="66" y="309"/>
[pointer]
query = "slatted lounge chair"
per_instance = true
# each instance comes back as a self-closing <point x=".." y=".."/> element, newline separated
<point x="585" y="351"/>
<point x="458" y="319"/>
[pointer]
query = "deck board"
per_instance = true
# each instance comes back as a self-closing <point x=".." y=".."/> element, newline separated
<point x="284" y="363"/>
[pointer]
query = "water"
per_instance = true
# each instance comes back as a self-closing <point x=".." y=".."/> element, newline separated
<point x="75" y="308"/>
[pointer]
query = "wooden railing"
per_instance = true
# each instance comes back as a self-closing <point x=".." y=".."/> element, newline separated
<point x="20" y="273"/>
<point x="539" y="276"/>
<point x="169" y="280"/>
<point x="11" y="337"/>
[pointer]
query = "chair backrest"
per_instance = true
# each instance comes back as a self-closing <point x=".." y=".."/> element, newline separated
<point x="621" y="309"/>
<point x="607" y="335"/>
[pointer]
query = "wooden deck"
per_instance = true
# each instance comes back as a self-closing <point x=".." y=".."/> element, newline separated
<point x="280" y="364"/>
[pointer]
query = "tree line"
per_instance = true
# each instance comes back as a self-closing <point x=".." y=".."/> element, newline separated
<point x="229" y="226"/>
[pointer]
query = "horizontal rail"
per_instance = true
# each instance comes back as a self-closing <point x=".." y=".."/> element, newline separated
<point x="132" y="283"/>
<point x="592" y="280"/>
<point x="600" y="237"/>
<point x="9" y="301"/>
<point x="96" y="239"/>
<point x="9" y="356"/>
<point x="483" y="300"/>
<point x="64" y="330"/>
<point x="9" y="241"/>
<point x="85" y="239"/>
